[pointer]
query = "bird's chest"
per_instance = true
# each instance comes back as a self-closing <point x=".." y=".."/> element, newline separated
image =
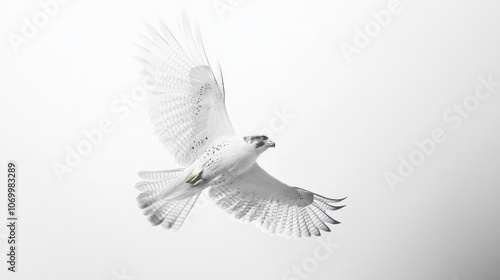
<point x="225" y="160"/>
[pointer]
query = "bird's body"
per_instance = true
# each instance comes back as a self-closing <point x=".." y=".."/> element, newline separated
<point x="227" y="158"/>
<point x="190" y="118"/>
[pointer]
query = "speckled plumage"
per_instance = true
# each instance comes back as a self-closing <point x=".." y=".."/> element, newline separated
<point x="190" y="118"/>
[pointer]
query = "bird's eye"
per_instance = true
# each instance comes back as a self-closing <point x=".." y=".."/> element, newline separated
<point x="263" y="137"/>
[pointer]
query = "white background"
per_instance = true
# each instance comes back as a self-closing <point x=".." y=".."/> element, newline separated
<point x="351" y="123"/>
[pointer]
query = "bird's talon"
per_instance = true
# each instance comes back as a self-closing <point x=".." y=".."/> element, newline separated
<point x="198" y="182"/>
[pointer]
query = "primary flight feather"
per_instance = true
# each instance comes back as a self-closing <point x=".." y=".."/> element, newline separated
<point x="190" y="118"/>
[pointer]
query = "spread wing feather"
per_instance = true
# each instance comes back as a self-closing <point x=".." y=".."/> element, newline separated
<point x="274" y="206"/>
<point x="187" y="99"/>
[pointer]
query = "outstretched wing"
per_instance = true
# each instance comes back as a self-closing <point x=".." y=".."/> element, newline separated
<point x="275" y="207"/>
<point x="187" y="105"/>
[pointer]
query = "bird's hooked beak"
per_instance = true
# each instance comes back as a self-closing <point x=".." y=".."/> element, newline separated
<point x="271" y="144"/>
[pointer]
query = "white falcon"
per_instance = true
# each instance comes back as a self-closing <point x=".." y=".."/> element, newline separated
<point x="190" y="118"/>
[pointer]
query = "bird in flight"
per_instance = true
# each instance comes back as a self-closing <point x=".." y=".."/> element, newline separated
<point x="190" y="118"/>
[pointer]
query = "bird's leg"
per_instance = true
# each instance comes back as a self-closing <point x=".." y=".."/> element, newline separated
<point x="194" y="178"/>
<point x="198" y="182"/>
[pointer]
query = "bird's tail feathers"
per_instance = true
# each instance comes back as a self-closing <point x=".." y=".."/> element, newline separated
<point x="157" y="205"/>
<point x="155" y="183"/>
<point x="170" y="214"/>
<point x="160" y="175"/>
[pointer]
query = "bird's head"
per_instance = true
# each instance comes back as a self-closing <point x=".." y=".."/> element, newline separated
<point x="259" y="142"/>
